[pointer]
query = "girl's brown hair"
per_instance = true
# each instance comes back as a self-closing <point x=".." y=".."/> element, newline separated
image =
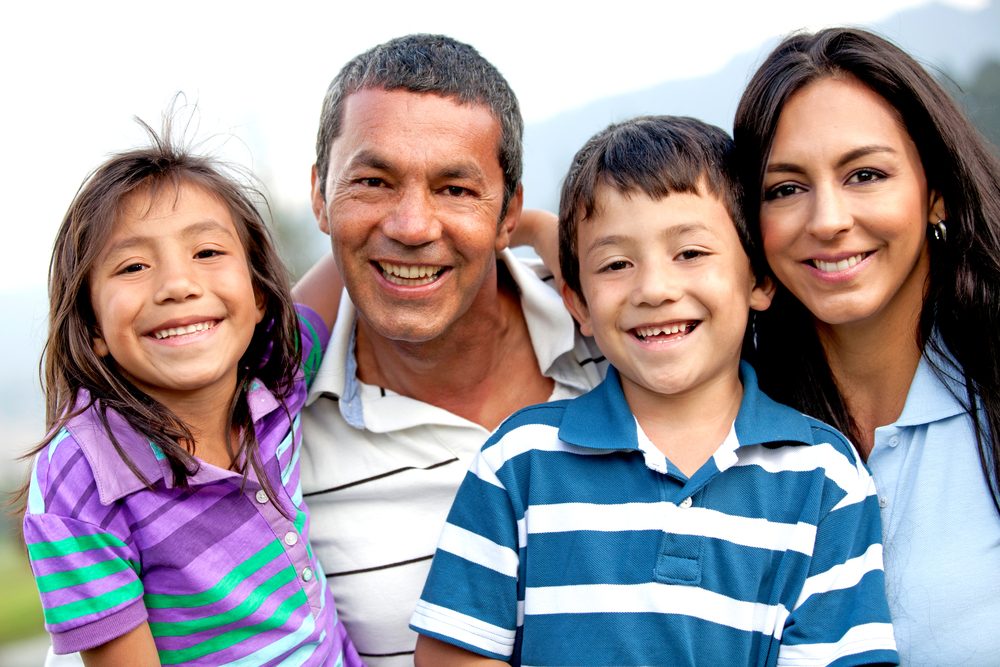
<point x="69" y="363"/>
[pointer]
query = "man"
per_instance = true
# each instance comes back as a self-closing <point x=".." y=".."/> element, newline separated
<point x="436" y="341"/>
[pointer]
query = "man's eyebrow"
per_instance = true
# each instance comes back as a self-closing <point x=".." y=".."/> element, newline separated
<point x="462" y="171"/>
<point x="370" y="159"/>
<point x="846" y="158"/>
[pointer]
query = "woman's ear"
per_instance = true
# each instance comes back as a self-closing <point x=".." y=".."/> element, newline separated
<point x="936" y="211"/>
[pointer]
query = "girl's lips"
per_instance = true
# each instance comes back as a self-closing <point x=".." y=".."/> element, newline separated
<point x="182" y="330"/>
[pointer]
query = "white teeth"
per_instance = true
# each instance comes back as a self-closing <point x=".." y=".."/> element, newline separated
<point x="842" y="265"/>
<point x="408" y="275"/>
<point x="646" y="332"/>
<point x="180" y="331"/>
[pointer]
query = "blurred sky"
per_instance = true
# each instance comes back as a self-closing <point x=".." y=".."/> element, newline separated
<point x="75" y="73"/>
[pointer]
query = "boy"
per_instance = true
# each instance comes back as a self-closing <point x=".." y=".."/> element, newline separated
<point x="615" y="529"/>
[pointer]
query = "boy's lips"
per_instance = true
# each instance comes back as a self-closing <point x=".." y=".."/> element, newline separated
<point x="173" y="330"/>
<point x="410" y="275"/>
<point x="666" y="331"/>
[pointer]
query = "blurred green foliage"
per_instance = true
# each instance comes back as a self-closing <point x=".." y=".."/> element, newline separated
<point x="20" y="612"/>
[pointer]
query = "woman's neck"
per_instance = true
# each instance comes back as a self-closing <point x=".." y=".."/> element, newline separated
<point x="873" y="367"/>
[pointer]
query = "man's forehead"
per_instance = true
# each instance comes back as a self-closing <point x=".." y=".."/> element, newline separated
<point x="378" y="123"/>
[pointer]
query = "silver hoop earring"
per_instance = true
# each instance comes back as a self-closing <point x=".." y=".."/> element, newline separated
<point x="939" y="231"/>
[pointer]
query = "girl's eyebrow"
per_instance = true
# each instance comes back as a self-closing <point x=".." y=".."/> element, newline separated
<point x="846" y="158"/>
<point x="194" y="229"/>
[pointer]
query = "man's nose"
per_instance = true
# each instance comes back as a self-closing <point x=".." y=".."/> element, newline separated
<point x="413" y="221"/>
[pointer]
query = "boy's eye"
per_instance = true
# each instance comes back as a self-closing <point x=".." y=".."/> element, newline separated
<point x="690" y="254"/>
<point x="616" y="266"/>
<point x="782" y="190"/>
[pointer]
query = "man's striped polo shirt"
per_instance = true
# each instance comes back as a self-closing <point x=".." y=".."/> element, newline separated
<point x="220" y="574"/>
<point x="573" y="541"/>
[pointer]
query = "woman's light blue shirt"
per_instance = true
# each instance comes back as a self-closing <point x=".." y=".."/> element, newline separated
<point x="940" y="528"/>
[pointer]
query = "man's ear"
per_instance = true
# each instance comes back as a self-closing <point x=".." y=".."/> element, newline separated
<point x="509" y="222"/>
<point x="318" y="202"/>
<point x="762" y="293"/>
<point x="577" y="307"/>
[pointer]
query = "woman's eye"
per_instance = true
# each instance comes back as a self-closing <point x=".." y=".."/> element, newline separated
<point x="781" y="191"/>
<point x="865" y="176"/>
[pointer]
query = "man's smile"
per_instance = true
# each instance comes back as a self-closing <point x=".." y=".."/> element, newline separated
<point x="410" y="275"/>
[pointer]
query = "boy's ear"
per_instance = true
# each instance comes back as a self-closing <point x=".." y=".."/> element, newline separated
<point x="577" y="308"/>
<point x="318" y="202"/>
<point x="510" y="220"/>
<point x="763" y="293"/>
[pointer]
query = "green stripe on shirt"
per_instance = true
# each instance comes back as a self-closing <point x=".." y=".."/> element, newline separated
<point x="72" y="545"/>
<point x="94" y="605"/>
<point x="83" y="575"/>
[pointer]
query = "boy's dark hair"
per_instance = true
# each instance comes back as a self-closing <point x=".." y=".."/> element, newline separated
<point x="69" y="363"/>
<point x="654" y="156"/>
<point x="434" y="64"/>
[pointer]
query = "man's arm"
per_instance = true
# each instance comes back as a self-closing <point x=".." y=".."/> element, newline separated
<point x="135" y="648"/>
<point x="435" y="653"/>
<point x="320" y="289"/>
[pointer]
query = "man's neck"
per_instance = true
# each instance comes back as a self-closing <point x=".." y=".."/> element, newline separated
<point x="482" y="368"/>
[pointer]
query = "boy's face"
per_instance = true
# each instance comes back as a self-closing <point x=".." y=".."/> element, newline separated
<point x="668" y="289"/>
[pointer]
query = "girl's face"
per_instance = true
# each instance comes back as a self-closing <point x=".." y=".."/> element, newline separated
<point x="846" y="206"/>
<point x="173" y="297"/>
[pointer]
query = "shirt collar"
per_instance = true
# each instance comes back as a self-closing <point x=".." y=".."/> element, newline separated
<point x="935" y="390"/>
<point x="602" y="419"/>
<point x="550" y="326"/>
<point x="114" y="478"/>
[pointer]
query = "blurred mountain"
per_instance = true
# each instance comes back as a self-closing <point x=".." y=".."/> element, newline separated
<point x="949" y="41"/>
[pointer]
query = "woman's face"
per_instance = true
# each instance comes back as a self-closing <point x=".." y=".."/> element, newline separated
<point x="846" y="206"/>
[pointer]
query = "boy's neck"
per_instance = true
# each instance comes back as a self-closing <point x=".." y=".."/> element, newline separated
<point x="688" y="428"/>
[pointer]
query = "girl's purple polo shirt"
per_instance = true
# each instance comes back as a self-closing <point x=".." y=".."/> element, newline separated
<point x="217" y="570"/>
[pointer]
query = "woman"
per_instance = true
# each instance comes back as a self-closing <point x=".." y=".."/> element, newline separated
<point x="879" y="214"/>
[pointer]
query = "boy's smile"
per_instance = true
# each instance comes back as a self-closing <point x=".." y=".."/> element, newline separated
<point x="668" y="289"/>
<point x="173" y="296"/>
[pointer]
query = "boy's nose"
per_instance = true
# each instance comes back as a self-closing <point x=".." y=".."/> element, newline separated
<point x="656" y="284"/>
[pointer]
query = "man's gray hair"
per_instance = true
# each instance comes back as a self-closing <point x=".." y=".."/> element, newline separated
<point x="427" y="64"/>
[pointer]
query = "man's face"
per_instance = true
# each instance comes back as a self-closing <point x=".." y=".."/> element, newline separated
<point x="413" y="199"/>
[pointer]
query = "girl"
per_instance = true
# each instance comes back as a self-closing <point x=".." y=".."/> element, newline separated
<point x="879" y="213"/>
<point x="164" y="520"/>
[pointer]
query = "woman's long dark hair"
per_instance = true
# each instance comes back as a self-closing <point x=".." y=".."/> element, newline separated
<point x="69" y="363"/>
<point x="962" y="302"/>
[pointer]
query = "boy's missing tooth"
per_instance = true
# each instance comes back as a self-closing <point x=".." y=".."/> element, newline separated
<point x="675" y="514"/>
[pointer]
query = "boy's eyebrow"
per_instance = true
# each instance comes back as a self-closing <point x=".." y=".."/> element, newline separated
<point x="846" y="158"/>
<point x="671" y="232"/>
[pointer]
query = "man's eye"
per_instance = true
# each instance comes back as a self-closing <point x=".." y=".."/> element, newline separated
<point x="455" y="191"/>
<point x="372" y="182"/>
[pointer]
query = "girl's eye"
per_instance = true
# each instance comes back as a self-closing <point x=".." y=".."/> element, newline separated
<point x="782" y="190"/>
<point x="133" y="268"/>
<point x="691" y="254"/>
<point x="865" y="176"/>
<point x="205" y="254"/>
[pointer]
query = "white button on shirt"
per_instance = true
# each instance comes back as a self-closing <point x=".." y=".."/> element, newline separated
<point x="262" y="496"/>
<point x="291" y="539"/>
<point x="686" y="503"/>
